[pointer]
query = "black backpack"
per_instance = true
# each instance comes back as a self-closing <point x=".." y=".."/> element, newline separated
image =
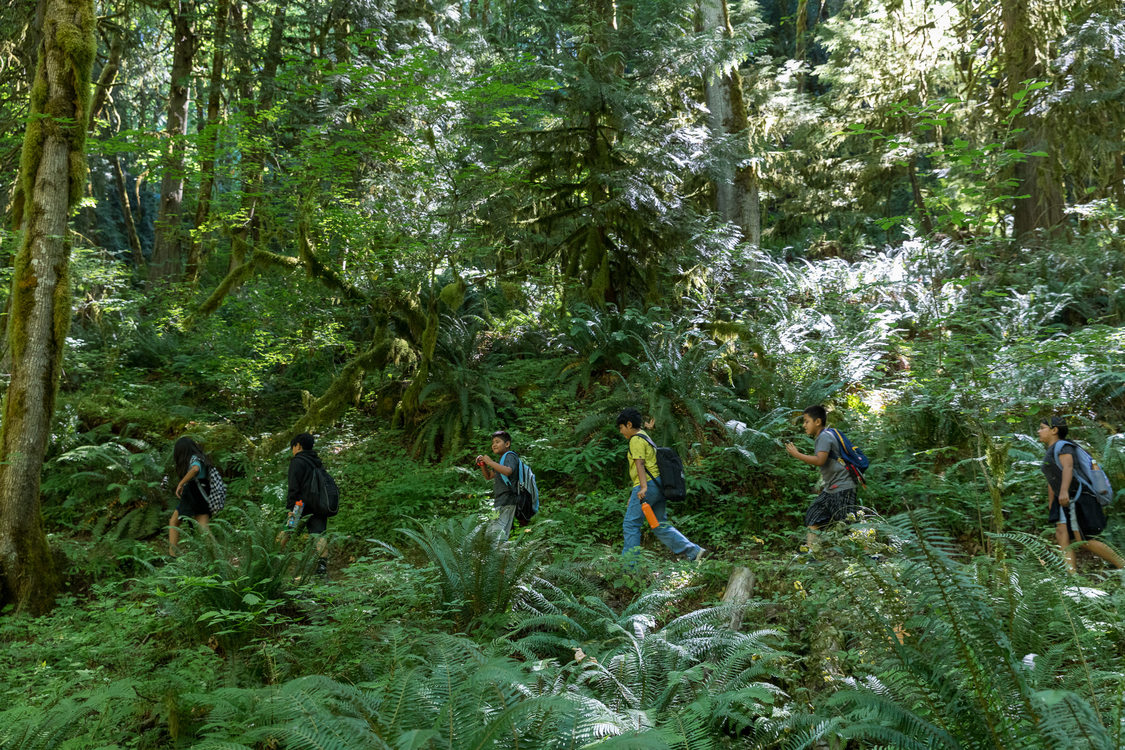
<point x="323" y="497"/>
<point x="1087" y="512"/>
<point x="673" y="483"/>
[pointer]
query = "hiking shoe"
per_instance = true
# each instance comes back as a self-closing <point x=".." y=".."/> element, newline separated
<point x="700" y="555"/>
<point x="322" y="567"/>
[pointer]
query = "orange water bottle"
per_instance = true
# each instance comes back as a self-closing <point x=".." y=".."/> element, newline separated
<point x="647" y="510"/>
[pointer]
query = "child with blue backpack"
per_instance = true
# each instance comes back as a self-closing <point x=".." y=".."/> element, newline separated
<point x="1073" y="505"/>
<point x="837" y="496"/>
<point x="502" y="473"/>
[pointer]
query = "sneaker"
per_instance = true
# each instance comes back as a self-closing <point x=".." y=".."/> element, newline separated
<point x="322" y="567"/>
<point x="700" y="555"/>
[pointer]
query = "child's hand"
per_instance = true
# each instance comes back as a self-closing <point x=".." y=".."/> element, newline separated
<point x="791" y="449"/>
<point x="480" y="460"/>
<point x="180" y="489"/>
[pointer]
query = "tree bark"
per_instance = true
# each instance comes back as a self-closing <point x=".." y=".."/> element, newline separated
<point x="257" y="152"/>
<point x="53" y="174"/>
<point x="736" y="184"/>
<point x="167" y="247"/>
<point x="209" y="143"/>
<point x="127" y="213"/>
<point x="1038" y="206"/>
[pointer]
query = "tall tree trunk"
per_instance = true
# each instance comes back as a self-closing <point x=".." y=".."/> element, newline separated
<point x="25" y="43"/>
<point x="1040" y="205"/>
<point x="53" y="174"/>
<point x="106" y="79"/>
<point x="256" y="157"/>
<point x="1119" y="187"/>
<point x="167" y="250"/>
<point x="210" y="141"/>
<point x="800" y="40"/>
<point x="736" y="184"/>
<point x="127" y="213"/>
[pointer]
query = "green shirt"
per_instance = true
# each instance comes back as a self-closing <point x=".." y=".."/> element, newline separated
<point x="641" y="448"/>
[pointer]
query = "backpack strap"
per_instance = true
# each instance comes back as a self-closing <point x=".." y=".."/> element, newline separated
<point x="202" y="477"/>
<point x="515" y="471"/>
<point x="306" y="487"/>
<point x="839" y="444"/>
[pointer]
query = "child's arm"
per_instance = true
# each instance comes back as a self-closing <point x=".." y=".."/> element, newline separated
<point x="187" y="478"/>
<point x="488" y="467"/>
<point x="642" y="474"/>
<point x="818" y="460"/>
<point x="1067" y="461"/>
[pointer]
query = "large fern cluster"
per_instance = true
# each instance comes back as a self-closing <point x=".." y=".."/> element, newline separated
<point x="691" y="684"/>
<point x="981" y="653"/>
<point x="479" y="577"/>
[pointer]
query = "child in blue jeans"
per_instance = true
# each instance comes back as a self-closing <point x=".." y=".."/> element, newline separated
<point x="646" y="488"/>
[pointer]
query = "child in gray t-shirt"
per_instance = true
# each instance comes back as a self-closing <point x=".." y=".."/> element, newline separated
<point x="834" y="474"/>
<point x="837" y="496"/>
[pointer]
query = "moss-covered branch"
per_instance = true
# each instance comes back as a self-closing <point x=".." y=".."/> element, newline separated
<point x="319" y="411"/>
<point x="259" y="260"/>
<point x="316" y="269"/>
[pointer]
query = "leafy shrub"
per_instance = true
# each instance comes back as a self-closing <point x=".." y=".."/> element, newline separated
<point x="237" y="582"/>
<point x="458" y="396"/>
<point x="382" y="488"/>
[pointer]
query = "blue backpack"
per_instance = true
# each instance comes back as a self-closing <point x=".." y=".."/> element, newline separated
<point x="527" y="492"/>
<point x="850" y="455"/>
<point x="1090" y="476"/>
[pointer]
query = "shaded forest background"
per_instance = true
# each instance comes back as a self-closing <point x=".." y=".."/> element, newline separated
<point x="402" y="225"/>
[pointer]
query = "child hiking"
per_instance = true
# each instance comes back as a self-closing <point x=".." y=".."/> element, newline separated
<point x="1063" y="489"/>
<point x="303" y="463"/>
<point x="191" y="464"/>
<point x="647" y="489"/>
<point x="503" y="476"/>
<point x="837" y="495"/>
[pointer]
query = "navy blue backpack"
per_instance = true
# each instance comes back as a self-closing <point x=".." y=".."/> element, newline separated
<point x="850" y="455"/>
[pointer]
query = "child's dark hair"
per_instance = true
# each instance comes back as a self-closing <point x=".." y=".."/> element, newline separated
<point x="1060" y="424"/>
<point x="182" y="452"/>
<point x="630" y="416"/>
<point x="503" y="435"/>
<point x="305" y="440"/>
<point x="817" y="412"/>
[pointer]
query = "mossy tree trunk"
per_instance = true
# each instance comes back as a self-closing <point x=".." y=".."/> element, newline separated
<point x="167" y="248"/>
<point x="52" y="175"/>
<point x="1038" y="206"/>
<point x="210" y="141"/>
<point x="736" y="186"/>
<point x="258" y="145"/>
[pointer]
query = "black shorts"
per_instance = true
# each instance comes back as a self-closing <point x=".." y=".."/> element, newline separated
<point x="313" y="523"/>
<point x="192" y="502"/>
<point x="831" y="506"/>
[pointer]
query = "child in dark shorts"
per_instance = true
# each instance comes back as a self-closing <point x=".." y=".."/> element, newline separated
<point x="191" y="464"/>
<point x="1062" y="489"/>
<point x="837" y="496"/>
